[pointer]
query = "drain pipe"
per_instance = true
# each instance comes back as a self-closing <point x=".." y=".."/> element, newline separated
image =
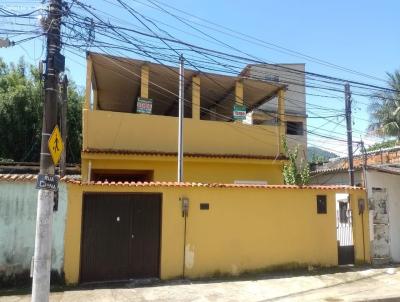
<point x="185" y="212"/>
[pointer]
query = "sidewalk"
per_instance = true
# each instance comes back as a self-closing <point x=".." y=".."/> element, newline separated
<point x="380" y="284"/>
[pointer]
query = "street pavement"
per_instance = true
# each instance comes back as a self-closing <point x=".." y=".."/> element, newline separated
<point x="355" y="284"/>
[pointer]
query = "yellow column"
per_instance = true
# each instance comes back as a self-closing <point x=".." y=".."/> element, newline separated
<point x="95" y="101"/>
<point x="196" y="97"/>
<point x="144" y="83"/>
<point x="281" y="119"/>
<point x="89" y="71"/>
<point x="239" y="93"/>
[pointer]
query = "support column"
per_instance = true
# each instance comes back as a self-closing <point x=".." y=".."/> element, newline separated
<point x="89" y="72"/>
<point x="239" y="92"/>
<point x="144" y="82"/>
<point x="196" y="97"/>
<point x="281" y="119"/>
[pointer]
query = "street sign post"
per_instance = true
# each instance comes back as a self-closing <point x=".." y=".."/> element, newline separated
<point x="47" y="182"/>
<point x="56" y="145"/>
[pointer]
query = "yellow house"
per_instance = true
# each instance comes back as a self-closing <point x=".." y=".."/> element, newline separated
<point x="129" y="218"/>
<point x="121" y="144"/>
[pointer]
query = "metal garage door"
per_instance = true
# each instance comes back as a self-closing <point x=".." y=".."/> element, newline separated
<point x="121" y="236"/>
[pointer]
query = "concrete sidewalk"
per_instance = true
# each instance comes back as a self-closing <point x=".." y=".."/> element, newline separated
<point x="381" y="284"/>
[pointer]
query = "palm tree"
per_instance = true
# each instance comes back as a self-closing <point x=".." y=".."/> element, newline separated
<point x="385" y="108"/>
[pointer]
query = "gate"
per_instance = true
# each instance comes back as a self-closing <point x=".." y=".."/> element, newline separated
<point x="121" y="236"/>
<point x="344" y="230"/>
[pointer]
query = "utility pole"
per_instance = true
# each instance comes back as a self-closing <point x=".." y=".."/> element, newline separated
<point x="44" y="219"/>
<point x="63" y="122"/>
<point x="349" y="132"/>
<point x="181" y="116"/>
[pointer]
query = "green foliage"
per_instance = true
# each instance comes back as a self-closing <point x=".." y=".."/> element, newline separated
<point x="385" y="109"/>
<point x="21" y="110"/>
<point x="294" y="173"/>
<point x="382" y="145"/>
<point x="317" y="155"/>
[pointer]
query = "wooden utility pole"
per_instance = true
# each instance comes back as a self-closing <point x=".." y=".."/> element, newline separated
<point x="46" y="177"/>
<point x="349" y="132"/>
<point x="63" y="122"/>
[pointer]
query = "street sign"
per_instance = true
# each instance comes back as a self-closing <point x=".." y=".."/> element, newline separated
<point x="239" y="112"/>
<point x="55" y="145"/>
<point x="47" y="182"/>
<point x="144" y="105"/>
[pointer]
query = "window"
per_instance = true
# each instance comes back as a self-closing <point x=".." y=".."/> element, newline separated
<point x="294" y="128"/>
<point x="321" y="204"/>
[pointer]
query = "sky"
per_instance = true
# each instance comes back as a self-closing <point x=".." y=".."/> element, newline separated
<point x="360" y="35"/>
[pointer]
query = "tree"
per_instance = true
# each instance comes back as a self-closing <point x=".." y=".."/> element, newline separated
<point x="293" y="173"/>
<point x="21" y="104"/>
<point x="385" y="109"/>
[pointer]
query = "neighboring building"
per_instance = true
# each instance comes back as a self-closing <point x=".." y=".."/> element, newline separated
<point x="295" y="116"/>
<point x="384" y="202"/>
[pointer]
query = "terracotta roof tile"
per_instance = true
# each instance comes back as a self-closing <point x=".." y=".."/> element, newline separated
<point x="194" y="155"/>
<point x="74" y="180"/>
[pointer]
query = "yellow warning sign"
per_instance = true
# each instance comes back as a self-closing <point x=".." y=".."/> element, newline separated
<point x="56" y="145"/>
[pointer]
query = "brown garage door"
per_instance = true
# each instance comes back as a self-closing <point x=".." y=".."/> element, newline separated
<point x="121" y="236"/>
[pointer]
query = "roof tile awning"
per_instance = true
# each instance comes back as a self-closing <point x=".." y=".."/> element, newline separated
<point x="188" y="155"/>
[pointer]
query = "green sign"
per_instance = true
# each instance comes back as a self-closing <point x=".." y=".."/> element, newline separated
<point x="239" y="112"/>
<point x="144" y="105"/>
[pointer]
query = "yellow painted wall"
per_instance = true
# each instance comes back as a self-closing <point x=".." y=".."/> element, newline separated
<point x="206" y="170"/>
<point x="128" y="131"/>
<point x="245" y="229"/>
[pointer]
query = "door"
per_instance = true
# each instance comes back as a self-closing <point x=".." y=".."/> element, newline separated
<point x="120" y="236"/>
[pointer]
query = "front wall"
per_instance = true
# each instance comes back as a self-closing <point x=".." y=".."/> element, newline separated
<point x="18" y="201"/>
<point x="205" y="171"/>
<point x="244" y="230"/>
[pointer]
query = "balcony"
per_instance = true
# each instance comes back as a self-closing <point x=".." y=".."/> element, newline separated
<point x="117" y="131"/>
<point x="111" y="121"/>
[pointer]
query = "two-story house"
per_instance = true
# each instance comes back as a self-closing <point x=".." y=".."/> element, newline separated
<point x="121" y="144"/>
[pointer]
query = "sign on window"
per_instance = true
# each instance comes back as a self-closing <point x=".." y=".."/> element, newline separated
<point x="144" y="105"/>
